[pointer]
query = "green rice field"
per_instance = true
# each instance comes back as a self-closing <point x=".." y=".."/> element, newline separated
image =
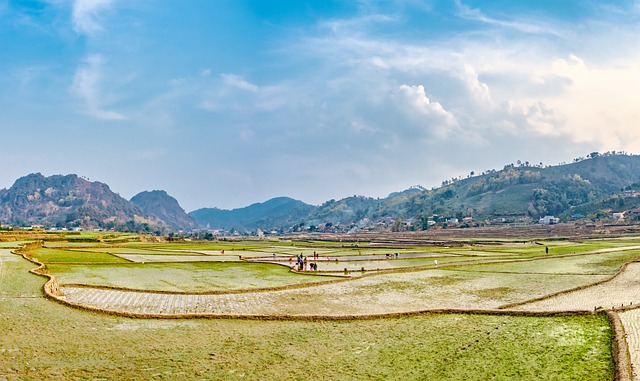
<point x="329" y="324"/>
<point x="45" y="340"/>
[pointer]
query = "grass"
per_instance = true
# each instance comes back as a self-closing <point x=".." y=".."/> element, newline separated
<point x="185" y="257"/>
<point x="47" y="255"/>
<point x="4" y="245"/>
<point x="127" y="250"/>
<point x="44" y="340"/>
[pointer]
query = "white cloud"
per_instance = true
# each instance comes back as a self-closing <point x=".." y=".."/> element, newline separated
<point x="600" y="103"/>
<point x="430" y="115"/>
<point x="498" y="84"/>
<point x="356" y="25"/>
<point x="238" y="82"/>
<point x="87" y="85"/>
<point x="479" y="90"/>
<point x="234" y="92"/>
<point x="474" y="14"/>
<point x="86" y="15"/>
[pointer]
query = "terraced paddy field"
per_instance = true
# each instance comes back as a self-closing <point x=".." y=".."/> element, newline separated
<point x="338" y="265"/>
<point x="144" y="258"/>
<point x="405" y="318"/>
<point x="46" y="340"/>
<point x="181" y="276"/>
<point x="381" y="294"/>
<point x="47" y="255"/>
<point x="623" y="290"/>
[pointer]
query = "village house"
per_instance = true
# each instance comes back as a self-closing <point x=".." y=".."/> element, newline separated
<point x="549" y="220"/>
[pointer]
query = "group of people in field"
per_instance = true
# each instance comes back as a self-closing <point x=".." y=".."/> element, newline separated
<point x="303" y="264"/>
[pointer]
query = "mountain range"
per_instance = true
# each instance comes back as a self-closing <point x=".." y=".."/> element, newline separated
<point x="69" y="202"/>
<point x="589" y="187"/>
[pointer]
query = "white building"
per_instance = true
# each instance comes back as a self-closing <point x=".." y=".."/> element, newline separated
<point x="548" y="220"/>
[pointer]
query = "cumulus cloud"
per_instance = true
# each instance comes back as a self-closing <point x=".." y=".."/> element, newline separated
<point x="86" y="15"/>
<point x="519" y="86"/>
<point x="600" y="102"/>
<point x="419" y="108"/>
<point x="88" y="86"/>
<point x="478" y="89"/>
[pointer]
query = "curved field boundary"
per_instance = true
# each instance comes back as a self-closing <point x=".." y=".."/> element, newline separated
<point x="51" y="287"/>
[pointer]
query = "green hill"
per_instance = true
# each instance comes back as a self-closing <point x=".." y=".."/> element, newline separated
<point x="272" y="214"/>
<point x="517" y="193"/>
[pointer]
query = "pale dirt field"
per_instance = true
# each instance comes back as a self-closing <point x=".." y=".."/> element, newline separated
<point x="631" y="321"/>
<point x="623" y="290"/>
<point x="386" y="293"/>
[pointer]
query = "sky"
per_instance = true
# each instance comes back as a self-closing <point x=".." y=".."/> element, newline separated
<point x="225" y="103"/>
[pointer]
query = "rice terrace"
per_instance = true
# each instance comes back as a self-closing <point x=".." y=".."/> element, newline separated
<point x="122" y="306"/>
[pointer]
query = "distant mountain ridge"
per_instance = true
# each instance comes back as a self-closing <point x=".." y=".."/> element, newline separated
<point x="69" y="201"/>
<point x="522" y="192"/>
<point x="159" y="204"/>
<point x="592" y="186"/>
<point x="275" y="213"/>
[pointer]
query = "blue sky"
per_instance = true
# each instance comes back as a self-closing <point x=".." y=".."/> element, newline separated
<point x="228" y="102"/>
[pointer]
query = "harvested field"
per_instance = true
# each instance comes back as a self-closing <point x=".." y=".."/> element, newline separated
<point x="602" y="263"/>
<point x="623" y="290"/>
<point x="181" y="276"/>
<point x="387" y="293"/>
<point x="42" y="340"/>
<point x="631" y="321"/>
<point x="435" y="346"/>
